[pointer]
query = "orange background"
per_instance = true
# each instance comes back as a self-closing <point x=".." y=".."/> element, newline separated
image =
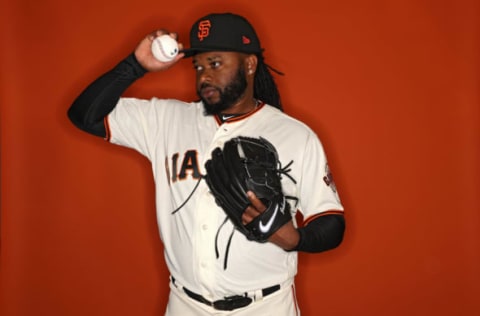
<point x="391" y="88"/>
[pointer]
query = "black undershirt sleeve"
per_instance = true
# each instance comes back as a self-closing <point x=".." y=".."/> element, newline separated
<point x="321" y="234"/>
<point x="101" y="96"/>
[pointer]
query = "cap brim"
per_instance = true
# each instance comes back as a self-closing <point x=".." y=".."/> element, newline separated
<point x="189" y="52"/>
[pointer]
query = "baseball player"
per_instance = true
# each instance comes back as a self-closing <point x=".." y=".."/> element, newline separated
<point x="215" y="269"/>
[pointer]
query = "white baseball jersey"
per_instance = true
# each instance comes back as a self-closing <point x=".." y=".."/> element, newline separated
<point x="178" y="139"/>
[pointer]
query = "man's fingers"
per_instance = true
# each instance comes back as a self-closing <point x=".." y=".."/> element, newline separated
<point x="249" y="214"/>
<point x="256" y="203"/>
<point x="256" y="208"/>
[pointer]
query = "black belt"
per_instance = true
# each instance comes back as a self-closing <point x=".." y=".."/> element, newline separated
<point x="229" y="303"/>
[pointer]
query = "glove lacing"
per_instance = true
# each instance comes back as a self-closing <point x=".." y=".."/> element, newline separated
<point x="228" y="243"/>
<point x="188" y="198"/>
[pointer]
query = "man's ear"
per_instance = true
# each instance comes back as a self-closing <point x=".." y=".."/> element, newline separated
<point x="251" y="64"/>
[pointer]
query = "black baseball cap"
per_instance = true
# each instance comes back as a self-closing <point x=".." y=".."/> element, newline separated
<point x="223" y="32"/>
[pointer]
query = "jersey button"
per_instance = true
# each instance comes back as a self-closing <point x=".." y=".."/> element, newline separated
<point x="203" y="265"/>
<point x="204" y="226"/>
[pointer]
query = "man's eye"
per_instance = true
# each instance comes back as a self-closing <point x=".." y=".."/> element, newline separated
<point x="197" y="68"/>
<point x="215" y="64"/>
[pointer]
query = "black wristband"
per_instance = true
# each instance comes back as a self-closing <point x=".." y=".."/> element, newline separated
<point x="321" y="234"/>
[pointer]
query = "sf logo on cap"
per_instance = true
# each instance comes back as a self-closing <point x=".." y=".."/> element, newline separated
<point x="203" y="29"/>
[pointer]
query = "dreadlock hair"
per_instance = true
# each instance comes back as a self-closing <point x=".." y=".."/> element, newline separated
<point x="264" y="86"/>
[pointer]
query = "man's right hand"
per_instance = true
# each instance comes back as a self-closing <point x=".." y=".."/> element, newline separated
<point x="144" y="55"/>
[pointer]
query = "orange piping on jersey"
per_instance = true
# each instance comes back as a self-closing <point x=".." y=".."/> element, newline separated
<point x="218" y="120"/>
<point x="240" y="117"/>
<point x="311" y="218"/>
<point x="107" y="128"/>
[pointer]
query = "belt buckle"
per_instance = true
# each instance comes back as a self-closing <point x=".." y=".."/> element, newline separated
<point x="232" y="302"/>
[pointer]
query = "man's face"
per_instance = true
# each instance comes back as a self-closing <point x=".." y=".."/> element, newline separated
<point x="221" y="80"/>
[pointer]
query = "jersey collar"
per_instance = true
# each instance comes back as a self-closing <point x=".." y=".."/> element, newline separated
<point x="230" y="118"/>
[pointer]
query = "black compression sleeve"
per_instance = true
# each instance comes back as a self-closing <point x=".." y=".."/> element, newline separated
<point x="100" y="97"/>
<point x="321" y="234"/>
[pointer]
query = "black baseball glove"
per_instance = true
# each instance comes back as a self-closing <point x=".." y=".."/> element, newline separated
<point x="249" y="164"/>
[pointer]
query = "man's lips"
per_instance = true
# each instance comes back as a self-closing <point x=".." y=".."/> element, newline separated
<point x="207" y="91"/>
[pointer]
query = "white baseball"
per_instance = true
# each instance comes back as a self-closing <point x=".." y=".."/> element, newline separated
<point x="164" y="48"/>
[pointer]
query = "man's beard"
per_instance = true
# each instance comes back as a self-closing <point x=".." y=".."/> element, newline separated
<point x="228" y="97"/>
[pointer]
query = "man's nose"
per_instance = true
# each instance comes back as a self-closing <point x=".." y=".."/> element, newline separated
<point x="205" y="76"/>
